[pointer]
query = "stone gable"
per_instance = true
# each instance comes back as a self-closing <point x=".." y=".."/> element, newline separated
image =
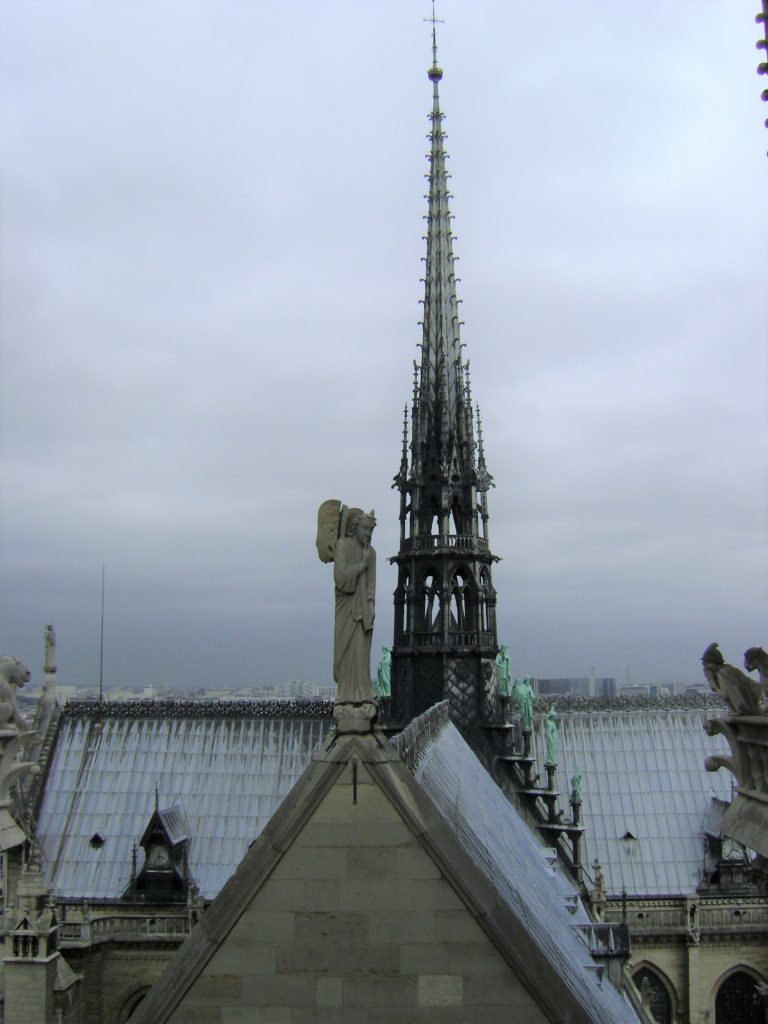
<point x="356" y="905"/>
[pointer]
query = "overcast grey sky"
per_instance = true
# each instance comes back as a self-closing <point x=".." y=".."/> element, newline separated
<point x="211" y="243"/>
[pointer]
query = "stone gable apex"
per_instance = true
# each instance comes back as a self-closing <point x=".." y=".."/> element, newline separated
<point x="355" y="903"/>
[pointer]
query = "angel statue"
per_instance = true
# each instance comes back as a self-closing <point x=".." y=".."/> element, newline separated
<point x="551" y="731"/>
<point x="383" y="681"/>
<point x="501" y="664"/>
<point x="344" y="538"/>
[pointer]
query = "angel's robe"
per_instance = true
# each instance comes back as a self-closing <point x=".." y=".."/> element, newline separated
<point x="355" y="586"/>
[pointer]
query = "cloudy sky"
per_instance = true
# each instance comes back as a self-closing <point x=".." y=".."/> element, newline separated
<point x="210" y="257"/>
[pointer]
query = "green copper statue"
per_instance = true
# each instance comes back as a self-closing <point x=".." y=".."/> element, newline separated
<point x="517" y="695"/>
<point x="526" y="704"/>
<point x="383" y="674"/>
<point x="575" y="784"/>
<point x="501" y="663"/>
<point x="551" y="726"/>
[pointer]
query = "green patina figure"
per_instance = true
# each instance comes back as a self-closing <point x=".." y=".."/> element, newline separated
<point x="382" y="682"/>
<point x="501" y="663"/>
<point x="526" y="704"/>
<point x="517" y="694"/>
<point x="575" y="784"/>
<point x="551" y="727"/>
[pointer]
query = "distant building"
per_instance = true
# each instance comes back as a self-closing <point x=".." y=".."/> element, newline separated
<point x="581" y="686"/>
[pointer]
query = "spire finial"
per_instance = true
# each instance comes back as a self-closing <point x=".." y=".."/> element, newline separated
<point x="435" y="73"/>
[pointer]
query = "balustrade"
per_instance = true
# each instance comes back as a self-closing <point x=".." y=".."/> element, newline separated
<point x="431" y="542"/>
<point x="425" y="639"/>
<point x="123" y="929"/>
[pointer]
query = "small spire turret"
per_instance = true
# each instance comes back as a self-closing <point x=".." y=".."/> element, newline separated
<point x="484" y="478"/>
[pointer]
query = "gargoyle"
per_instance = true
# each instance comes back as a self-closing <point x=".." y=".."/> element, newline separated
<point x="13" y="674"/>
<point x="740" y="693"/>
<point x="755" y="659"/>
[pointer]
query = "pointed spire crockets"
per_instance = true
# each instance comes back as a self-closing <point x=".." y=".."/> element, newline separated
<point x="441" y="391"/>
<point x="445" y="623"/>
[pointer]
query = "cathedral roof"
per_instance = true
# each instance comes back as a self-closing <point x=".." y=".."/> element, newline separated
<point x="643" y="778"/>
<point x="226" y="774"/>
<point x="646" y="797"/>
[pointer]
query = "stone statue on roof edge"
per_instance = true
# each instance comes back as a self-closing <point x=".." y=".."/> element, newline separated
<point x="526" y="705"/>
<point x="383" y="680"/>
<point x="344" y="538"/>
<point x="551" y="727"/>
<point x="501" y="664"/>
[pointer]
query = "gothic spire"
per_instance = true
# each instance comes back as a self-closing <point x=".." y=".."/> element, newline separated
<point x="441" y="419"/>
<point x="444" y="602"/>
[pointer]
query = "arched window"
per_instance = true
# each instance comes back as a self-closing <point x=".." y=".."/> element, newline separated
<point x="431" y="608"/>
<point x="403" y="601"/>
<point x="738" y="1001"/>
<point x="456" y="516"/>
<point x="462" y="600"/>
<point x="654" y="992"/>
<point x="484" y="610"/>
<point x="131" y="1003"/>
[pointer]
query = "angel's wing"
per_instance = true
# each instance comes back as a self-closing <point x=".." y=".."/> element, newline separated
<point x="328" y="519"/>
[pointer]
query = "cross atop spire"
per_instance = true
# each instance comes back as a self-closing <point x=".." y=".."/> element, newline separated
<point x="435" y="22"/>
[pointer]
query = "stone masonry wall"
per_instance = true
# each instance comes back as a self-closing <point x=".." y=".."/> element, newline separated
<point x="112" y="975"/>
<point x="356" y="925"/>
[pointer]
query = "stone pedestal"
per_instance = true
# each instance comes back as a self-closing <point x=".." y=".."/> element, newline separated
<point x="354" y="718"/>
<point x="527" y="742"/>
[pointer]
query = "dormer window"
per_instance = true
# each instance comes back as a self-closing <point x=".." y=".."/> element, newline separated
<point x="163" y="877"/>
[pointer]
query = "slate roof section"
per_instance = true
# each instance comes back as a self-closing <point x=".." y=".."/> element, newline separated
<point x="518" y="866"/>
<point x="644" y="776"/>
<point x="229" y="774"/>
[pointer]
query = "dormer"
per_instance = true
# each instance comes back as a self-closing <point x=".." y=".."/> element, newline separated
<point x="164" y="876"/>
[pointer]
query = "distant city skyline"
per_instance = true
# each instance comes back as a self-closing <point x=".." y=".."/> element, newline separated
<point x="209" y="286"/>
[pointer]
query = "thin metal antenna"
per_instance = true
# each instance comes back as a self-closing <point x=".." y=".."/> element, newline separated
<point x="101" y="644"/>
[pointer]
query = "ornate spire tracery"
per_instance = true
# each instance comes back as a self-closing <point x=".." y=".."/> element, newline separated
<point x="445" y="626"/>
